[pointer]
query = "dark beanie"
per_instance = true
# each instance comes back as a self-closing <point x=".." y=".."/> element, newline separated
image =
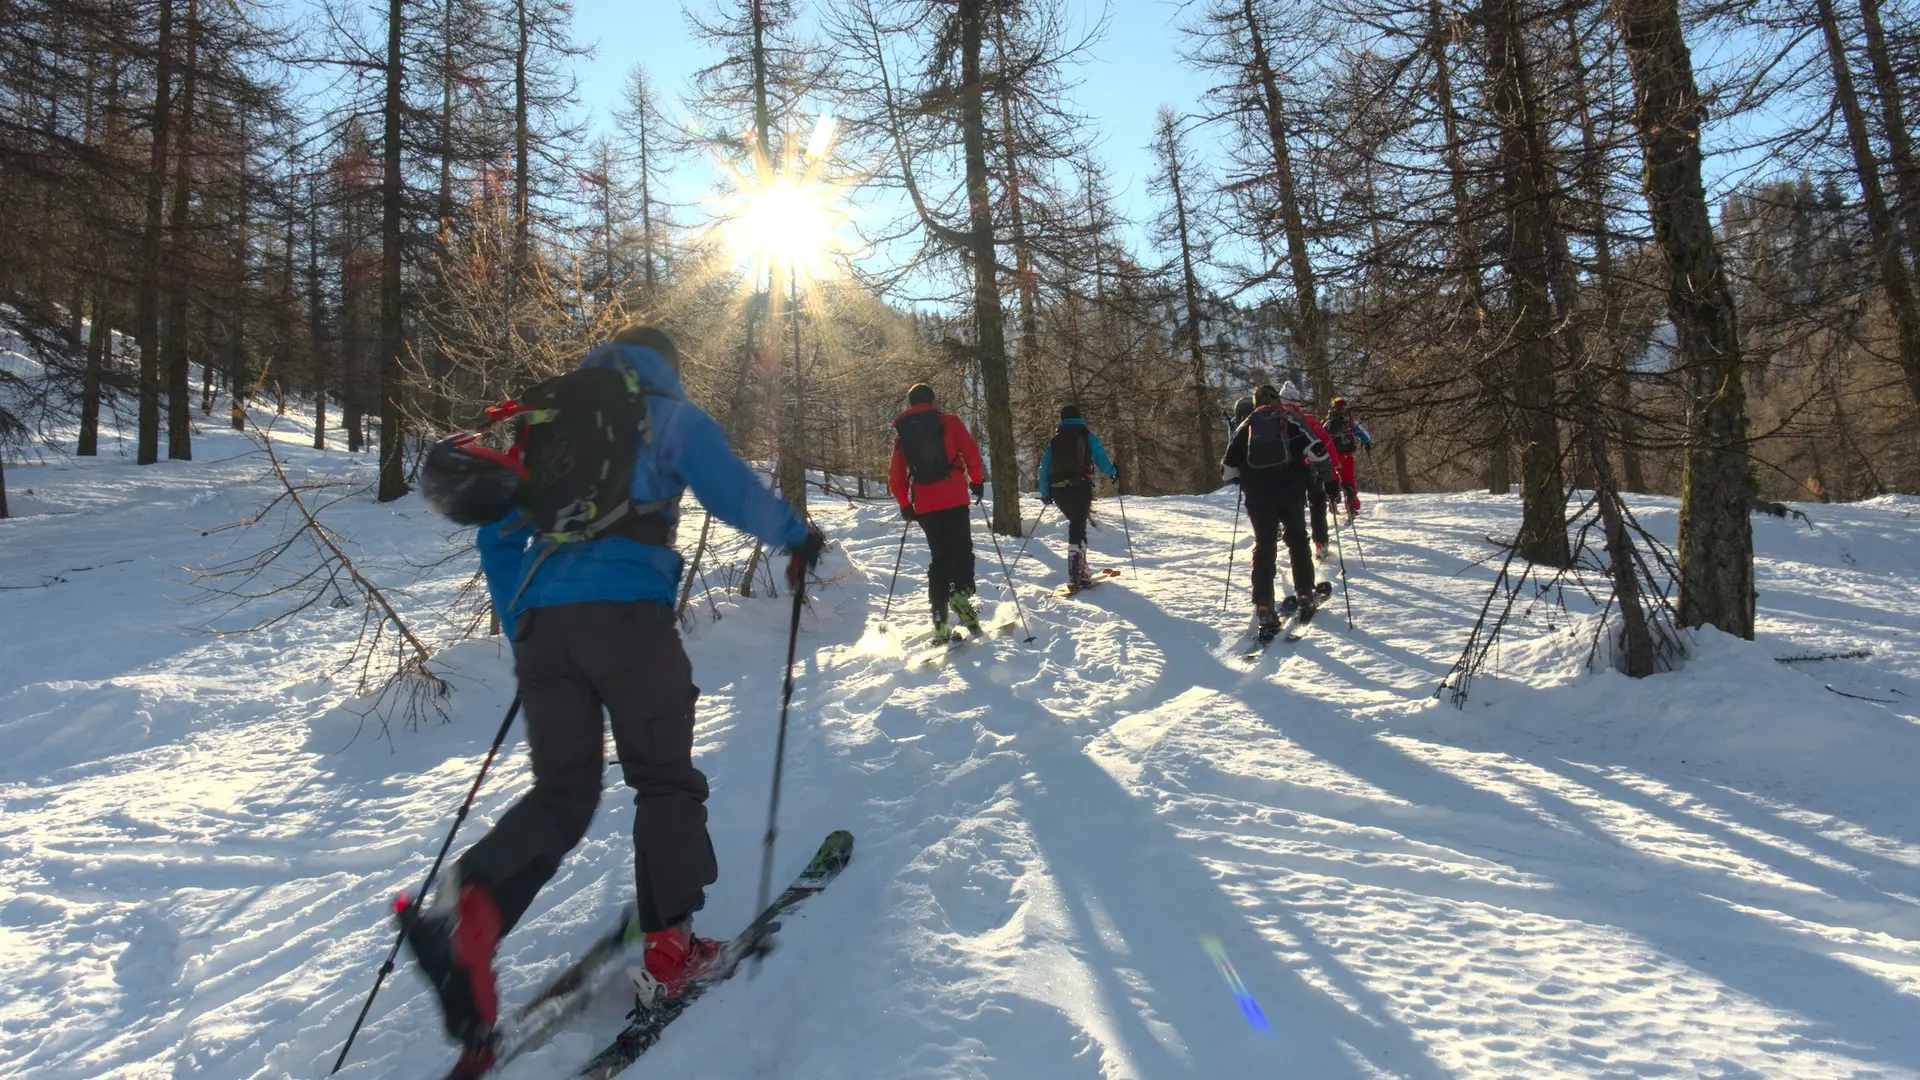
<point x="650" y="337"/>
<point x="921" y="394"/>
<point x="1069" y="412"/>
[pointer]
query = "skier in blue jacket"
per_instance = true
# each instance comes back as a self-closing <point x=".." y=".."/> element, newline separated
<point x="593" y="628"/>
<point x="1066" y="479"/>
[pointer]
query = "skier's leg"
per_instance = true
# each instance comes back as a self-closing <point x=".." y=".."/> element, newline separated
<point x="1263" y="514"/>
<point x="1293" y="523"/>
<point x="644" y="676"/>
<point x="1076" y="503"/>
<point x="939" y="572"/>
<point x="1317" y="500"/>
<point x="565" y="748"/>
<point x="959" y="526"/>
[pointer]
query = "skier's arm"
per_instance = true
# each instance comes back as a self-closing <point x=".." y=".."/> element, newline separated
<point x="503" y="552"/>
<point x="728" y="486"/>
<point x="1100" y="459"/>
<point x="969" y="450"/>
<point x="1359" y="432"/>
<point x="1236" y="448"/>
<point x="1046" y="470"/>
<point x="897" y="478"/>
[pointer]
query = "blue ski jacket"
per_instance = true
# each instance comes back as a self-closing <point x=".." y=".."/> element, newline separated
<point x="1094" y="450"/>
<point x="687" y="450"/>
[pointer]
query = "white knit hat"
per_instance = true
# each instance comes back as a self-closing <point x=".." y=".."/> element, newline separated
<point x="1289" y="392"/>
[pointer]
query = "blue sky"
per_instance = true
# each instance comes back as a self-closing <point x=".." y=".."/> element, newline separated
<point x="1129" y="73"/>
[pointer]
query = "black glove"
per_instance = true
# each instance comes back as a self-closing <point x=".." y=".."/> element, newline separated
<point x="906" y="513"/>
<point x="1046" y="499"/>
<point x="806" y="556"/>
<point x="979" y="491"/>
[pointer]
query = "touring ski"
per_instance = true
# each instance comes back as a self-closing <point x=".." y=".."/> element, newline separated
<point x="942" y="648"/>
<point x="647" y="1023"/>
<point x="1099" y="578"/>
<point x="1292" y="617"/>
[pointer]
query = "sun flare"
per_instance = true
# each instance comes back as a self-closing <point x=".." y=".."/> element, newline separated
<point x="789" y="218"/>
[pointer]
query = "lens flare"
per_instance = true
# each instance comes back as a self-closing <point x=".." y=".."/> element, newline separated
<point x="788" y="217"/>
<point x="1248" y="1007"/>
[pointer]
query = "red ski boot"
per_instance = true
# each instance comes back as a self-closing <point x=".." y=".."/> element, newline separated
<point x="674" y="958"/>
<point x="454" y="944"/>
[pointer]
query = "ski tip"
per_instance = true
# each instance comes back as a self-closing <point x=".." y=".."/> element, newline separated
<point x="836" y="851"/>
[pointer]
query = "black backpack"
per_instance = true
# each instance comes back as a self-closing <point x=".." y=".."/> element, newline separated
<point x="923" y="442"/>
<point x="577" y="438"/>
<point x="1272" y="439"/>
<point x="1072" y="456"/>
<point x="1340" y="429"/>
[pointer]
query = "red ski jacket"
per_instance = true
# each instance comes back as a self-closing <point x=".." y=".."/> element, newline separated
<point x="945" y="494"/>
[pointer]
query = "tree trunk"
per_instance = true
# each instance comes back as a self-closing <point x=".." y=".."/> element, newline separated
<point x="646" y="212"/>
<point x="351" y="371"/>
<point x="1894" y="280"/>
<point x="522" y="135"/>
<point x="1207" y="472"/>
<point x="793" y="432"/>
<point x="1026" y="281"/>
<point x="99" y="341"/>
<point x="1893" y="119"/>
<point x="1310" y="333"/>
<point x="238" y="377"/>
<point x="316" y="322"/>
<point x="1495" y="426"/>
<point x="990" y="347"/>
<point x="1523" y="157"/>
<point x="179" y="248"/>
<point x="1716" y="532"/>
<point x="152" y="267"/>
<point x="392" y="486"/>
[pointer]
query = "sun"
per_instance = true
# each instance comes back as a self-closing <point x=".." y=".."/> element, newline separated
<point x="789" y="218"/>
<point x="788" y="223"/>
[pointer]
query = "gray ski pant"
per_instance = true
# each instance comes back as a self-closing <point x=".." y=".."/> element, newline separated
<point x="574" y="662"/>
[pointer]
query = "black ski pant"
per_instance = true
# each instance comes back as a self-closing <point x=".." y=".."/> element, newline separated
<point x="1276" y="508"/>
<point x="950" y="542"/>
<point x="1075" y="500"/>
<point x="1317" y="492"/>
<point x="575" y="661"/>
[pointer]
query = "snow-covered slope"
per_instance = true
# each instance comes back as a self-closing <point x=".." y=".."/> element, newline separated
<point x="1063" y="846"/>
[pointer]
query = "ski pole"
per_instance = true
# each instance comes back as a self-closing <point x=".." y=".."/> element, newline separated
<point x="1131" y="561"/>
<point x="1028" y="539"/>
<point x="780" y="753"/>
<point x="386" y="968"/>
<point x="991" y="535"/>
<point x="1345" y="593"/>
<point x="1227" y="598"/>
<point x="1354" y="528"/>
<point x="895" y="580"/>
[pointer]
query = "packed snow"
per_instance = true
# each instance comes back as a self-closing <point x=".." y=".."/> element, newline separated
<point x="1070" y="852"/>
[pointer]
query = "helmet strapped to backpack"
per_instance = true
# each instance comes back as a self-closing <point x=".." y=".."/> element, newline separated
<point x="576" y="438"/>
<point x="471" y="484"/>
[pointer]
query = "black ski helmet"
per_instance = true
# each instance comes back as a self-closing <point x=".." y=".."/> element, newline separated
<point x="469" y="484"/>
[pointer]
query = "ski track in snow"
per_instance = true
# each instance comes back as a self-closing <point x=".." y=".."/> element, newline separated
<point x="1715" y="873"/>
